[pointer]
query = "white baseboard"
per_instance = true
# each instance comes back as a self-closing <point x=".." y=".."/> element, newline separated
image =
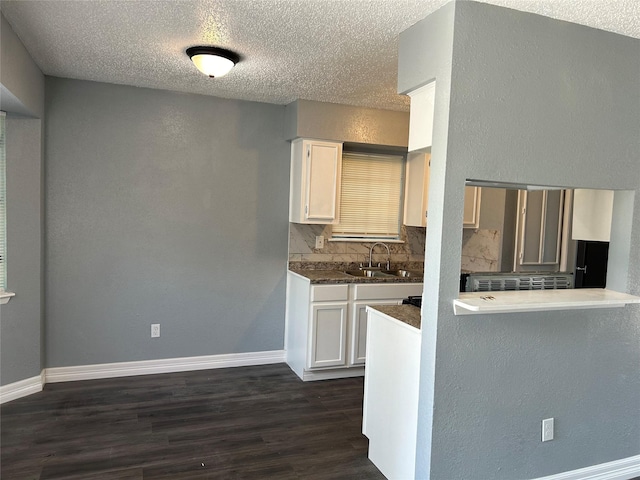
<point x="20" y="389"/>
<point x="622" y="469"/>
<point x="165" y="365"/>
<point x="312" y="376"/>
<point x="32" y="385"/>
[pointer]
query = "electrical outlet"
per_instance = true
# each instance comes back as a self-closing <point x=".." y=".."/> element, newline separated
<point x="547" y="429"/>
<point x="320" y="241"/>
<point x="155" y="330"/>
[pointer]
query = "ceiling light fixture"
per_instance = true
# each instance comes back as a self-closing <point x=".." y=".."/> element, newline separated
<point x="213" y="61"/>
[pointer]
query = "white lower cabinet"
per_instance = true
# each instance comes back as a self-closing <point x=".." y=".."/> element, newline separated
<point x="358" y="334"/>
<point x="326" y="325"/>
<point x="328" y="333"/>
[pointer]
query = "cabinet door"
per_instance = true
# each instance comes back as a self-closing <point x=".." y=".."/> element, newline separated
<point x="323" y="167"/>
<point x="416" y="190"/>
<point x="471" y="218"/>
<point x="358" y="329"/>
<point x="327" y="338"/>
<point x="539" y="229"/>
<point x="592" y="214"/>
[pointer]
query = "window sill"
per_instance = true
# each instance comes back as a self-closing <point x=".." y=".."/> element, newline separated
<point x="5" y="297"/>
<point x="478" y="303"/>
<point x="365" y="240"/>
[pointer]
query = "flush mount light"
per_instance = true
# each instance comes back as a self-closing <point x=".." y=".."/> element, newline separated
<point x="213" y="61"/>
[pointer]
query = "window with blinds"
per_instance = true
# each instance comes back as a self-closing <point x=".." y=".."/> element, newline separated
<point x="371" y="198"/>
<point x="3" y="209"/>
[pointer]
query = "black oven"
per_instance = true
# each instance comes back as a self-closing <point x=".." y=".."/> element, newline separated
<point x="415" y="300"/>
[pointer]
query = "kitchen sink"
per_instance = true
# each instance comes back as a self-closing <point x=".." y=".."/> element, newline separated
<point x="399" y="273"/>
<point x="368" y="273"/>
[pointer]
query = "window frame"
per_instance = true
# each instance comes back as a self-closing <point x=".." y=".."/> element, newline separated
<point x="3" y="201"/>
<point x="5" y="296"/>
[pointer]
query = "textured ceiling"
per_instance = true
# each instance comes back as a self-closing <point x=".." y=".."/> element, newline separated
<point x="340" y="51"/>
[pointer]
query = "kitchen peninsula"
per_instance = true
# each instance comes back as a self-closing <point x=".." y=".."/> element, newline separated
<point x="391" y="382"/>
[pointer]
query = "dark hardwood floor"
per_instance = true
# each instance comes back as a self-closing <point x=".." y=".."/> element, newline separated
<point x="246" y="422"/>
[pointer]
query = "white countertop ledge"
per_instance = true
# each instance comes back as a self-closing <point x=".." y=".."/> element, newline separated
<point x="5" y="297"/>
<point x="478" y="303"/>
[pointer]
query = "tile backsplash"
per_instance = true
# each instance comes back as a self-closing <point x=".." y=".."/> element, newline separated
<point x="303" y="254"/>
<point x="481" y="249"/>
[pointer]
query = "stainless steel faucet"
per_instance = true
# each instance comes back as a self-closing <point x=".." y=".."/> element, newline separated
<point x="388" y="254"/>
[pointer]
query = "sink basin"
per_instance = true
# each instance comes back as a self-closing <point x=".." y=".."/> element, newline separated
<point x="399" y="273"/>
<point x="368" y="273"/>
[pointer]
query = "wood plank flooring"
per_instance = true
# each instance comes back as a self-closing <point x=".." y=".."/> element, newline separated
<point x="237" y="423"/>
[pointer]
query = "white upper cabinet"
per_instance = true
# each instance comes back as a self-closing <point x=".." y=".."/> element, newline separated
<point x="592" y="214"/>
<point x="315" y="181"/>
<point x="416" y="190"/>
<point x="421" y="117"/>
<point x="471" y="217"/>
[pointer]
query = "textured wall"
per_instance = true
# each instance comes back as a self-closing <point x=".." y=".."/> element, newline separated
<point x="345" y="123"/>
<point x="21" y="80"/>
<point x="162" y="208"/>
<point x="20" y="347"/>
<point x="531" y="100"/>
<point x="22" y="94"/>
<point x="426" y="54"/>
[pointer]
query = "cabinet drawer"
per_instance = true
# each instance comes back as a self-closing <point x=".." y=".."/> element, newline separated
<point x="329" y="293"/>
<point x="387" y="290"/>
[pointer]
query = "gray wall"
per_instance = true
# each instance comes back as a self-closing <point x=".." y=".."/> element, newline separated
<point x="426" y="54"/>
<point x="162" y="208"/>
<point x="21" y="328"/>
<point x="346" y="123"/>
<point x="532" y="100"/>
<point x="21" y="80"/>
<point x="22" y="96"/>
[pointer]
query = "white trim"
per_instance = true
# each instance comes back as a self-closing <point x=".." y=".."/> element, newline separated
<point x="5" y="296"/>
<point x="622" y="469"/>
<point x="365" y="239"/>
<point x="20" y="389"/>
<point x="33" y="385"/>
<point x="164" y="365"/>
<point x="311" y="376"/>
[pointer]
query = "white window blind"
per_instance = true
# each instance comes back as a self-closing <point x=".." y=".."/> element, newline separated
<point x="3" y="209"/>
<point x="371" y="198"/>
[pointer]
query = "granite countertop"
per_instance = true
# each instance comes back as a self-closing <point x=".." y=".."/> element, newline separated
<point x="338" y="276"/>
<point x="408" y="314"/>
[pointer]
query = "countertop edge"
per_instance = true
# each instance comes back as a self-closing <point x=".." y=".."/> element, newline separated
<point x="319" y="277"/>
<point x="408" y="316"/>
